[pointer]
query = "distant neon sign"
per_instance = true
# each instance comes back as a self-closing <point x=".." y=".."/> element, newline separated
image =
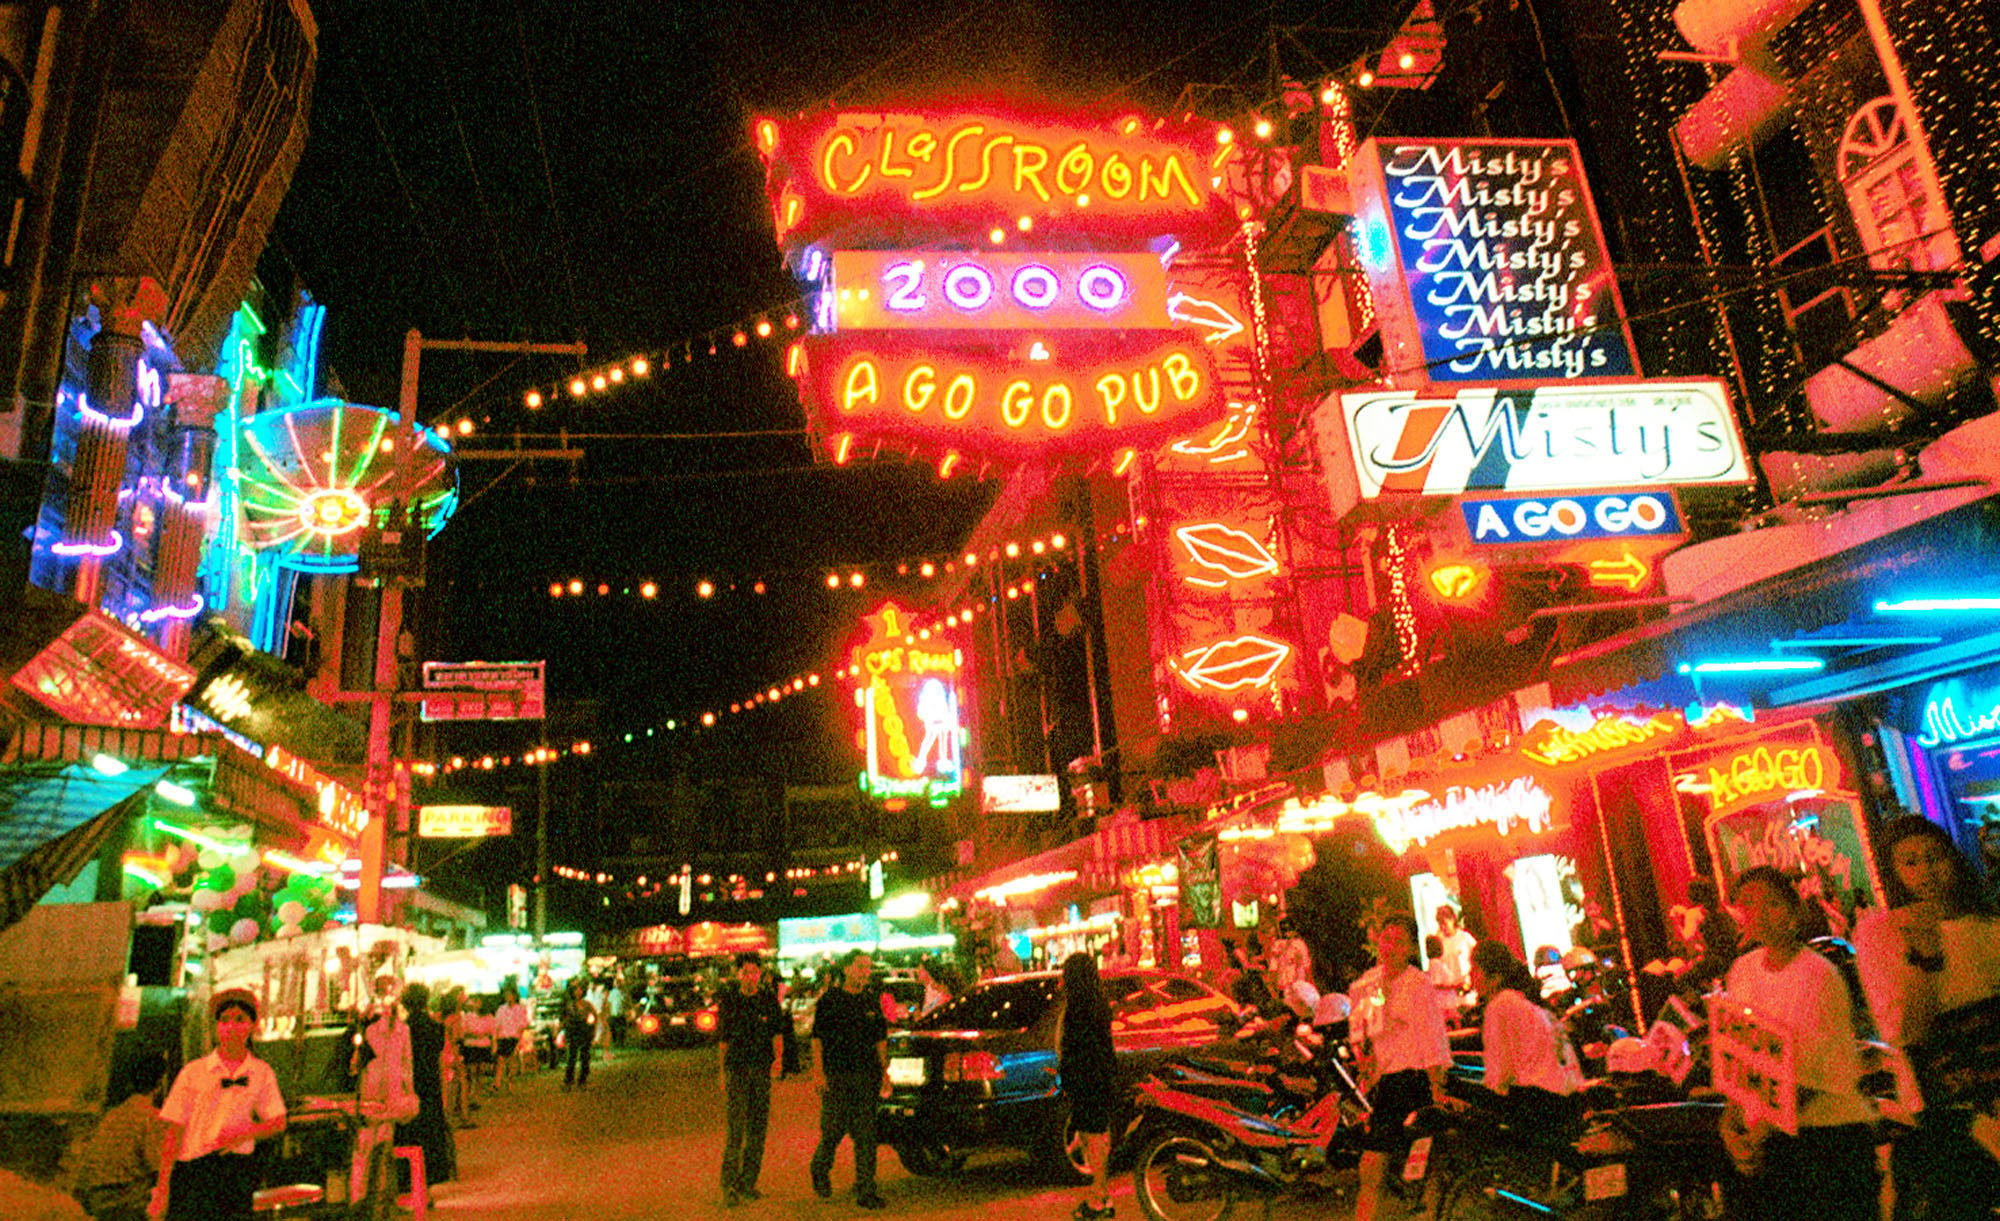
<point x="1951" y="716"/>
<point x="1021" y="398"/>
<point x="1758" y="774"/>
<point x="1518" y="804"/>
<point x="945" y="290"/>
<point x="1221" y="554"/>
<point x="908" y="696"/>
<point x="1242" y="662"/>
<point x="973" y="169"/>
<point x="1555" y="746"/>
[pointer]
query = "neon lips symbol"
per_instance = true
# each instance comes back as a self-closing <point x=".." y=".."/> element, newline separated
<point x="1227" y="550"/>
<point x="1210" y="317"/>
<point x="1231" y="665"/>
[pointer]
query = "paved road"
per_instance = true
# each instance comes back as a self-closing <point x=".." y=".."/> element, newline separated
<point x="644" y="1142"/>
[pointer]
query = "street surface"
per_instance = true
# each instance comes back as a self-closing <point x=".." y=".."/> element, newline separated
<point x="645" y="1141"/>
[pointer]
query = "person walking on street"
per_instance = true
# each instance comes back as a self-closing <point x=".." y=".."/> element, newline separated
<point x="510" y="1024"/>
<point x="1088" y="1071"/>
<point x="431" y="1129"/>
<point x="1827" y="1170"/>
<point x="853" y="1040"/>
<point x="1403" y="1049"/>
<point x="579" y="1030"/>
<point x="220" y="1107"/>
<point x="1935" y="948"/>
<point x="751" y="1056"/>
<point x="121" y="1161"/>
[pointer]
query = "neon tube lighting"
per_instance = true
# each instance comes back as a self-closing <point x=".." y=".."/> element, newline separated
<point x="199" y="840"/>
<point x="1928" y="605"/>
<point x="84" y="409"/>
<point x="1775" y="665"/>
<point x="180" y="795"/>
<point x="97" y="550"/>
<point x="292" y="864"/>
<point x="188" y="611"/>
<point x="145" y="875"/>
<point x="108" y="765"/>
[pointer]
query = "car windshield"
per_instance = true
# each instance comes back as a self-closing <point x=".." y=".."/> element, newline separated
<point x="1013" y="1004"/>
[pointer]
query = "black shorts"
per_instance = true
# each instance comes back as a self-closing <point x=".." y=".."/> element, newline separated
<point x="1393" y="1100"/>
<point x="476" y="1053"/>
<point x="506" y="1046"/>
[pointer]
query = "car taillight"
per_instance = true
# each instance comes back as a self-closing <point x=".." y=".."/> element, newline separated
<point x="972" y="1066"/>
<point x="705" y="1020"/>
<point x="649" y="1023"/>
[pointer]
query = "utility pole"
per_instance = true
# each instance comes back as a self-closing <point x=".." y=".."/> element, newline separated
<point x="542" y="845"/>
<point x="376" y="846"/>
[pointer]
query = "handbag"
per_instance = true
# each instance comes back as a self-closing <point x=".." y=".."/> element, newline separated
<point x="1959" y="1063"/>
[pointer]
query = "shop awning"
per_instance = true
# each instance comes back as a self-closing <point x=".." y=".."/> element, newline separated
<point x="53" y="820"/>
<point x="1893" y="610"/>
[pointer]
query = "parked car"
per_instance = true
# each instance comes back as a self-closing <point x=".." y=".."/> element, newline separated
<point x="675" y="1012"/>
<point x="980" y="1070"/>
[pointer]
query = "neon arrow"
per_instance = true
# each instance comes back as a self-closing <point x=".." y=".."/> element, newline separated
<point x="1205" y="314"/>
<point x="1627" y="570"/>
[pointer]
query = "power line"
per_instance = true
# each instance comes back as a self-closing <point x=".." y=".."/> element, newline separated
<point x="548" y="177"/>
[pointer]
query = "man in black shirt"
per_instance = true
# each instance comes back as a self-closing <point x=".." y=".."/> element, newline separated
<point x="853" y="1041"/>
<point x="750" y="1028"/>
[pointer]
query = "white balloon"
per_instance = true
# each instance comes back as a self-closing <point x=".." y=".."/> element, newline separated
<point x="289" y="930"/>
<point x="243" y="932"/>
<point x="292" y="912"/>
<point x="205" y="900"/>
<point x="216" y="941"/>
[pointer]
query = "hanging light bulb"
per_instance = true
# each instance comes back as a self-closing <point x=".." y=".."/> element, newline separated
<point x="597" y="383"/>
<point x="578" y="387"/>
<point x="763" y="328"/>
<point x="534" y="399"/>
<point x="640" y="367"/>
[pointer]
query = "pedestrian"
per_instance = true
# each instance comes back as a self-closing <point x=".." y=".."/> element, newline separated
<point x="1935" y="943"/>
<point x="1248" y="988"/>
<point x="936" y="991"/>
<point x="121" y="1161"/>
<point x="451" y="1015"/>
<point x="510" y="1024"/>
<point x="220" y="1107"/>
<point x="853" y="1042"/>
<point x="1826" y="1171"/>
<point x="1455" y="949"/>
<point x="1528" y="1061"/>
<point x="579" y="1031"/>
<point x="1291" y="959"/>
<point x="386" y="1091"/>
<point x="1088" y="1072"/>
<point x="600" y="999"/>
<point x="617" y="998"/>
<point x="751" y="1056"/>
<point x="1717" y="940"/>
<point x="478" y="1032"/>
<point x="1402" y="1048"/>
<point x="431" y="1129"/>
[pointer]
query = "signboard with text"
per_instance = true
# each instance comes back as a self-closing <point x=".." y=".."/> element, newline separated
<point x="1639" y="435"/>
<point x="464" y="822"/>
<point x="906" y="690"/>
<point x="1019" y="794"/>
<point x="1487" y="262"/>
<point x="484" y="690"/>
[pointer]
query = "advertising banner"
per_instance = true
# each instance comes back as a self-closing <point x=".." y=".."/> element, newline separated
<point x="1201" y="883"/>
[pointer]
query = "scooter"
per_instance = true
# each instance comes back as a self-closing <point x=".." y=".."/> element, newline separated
<point x="1205" y="1144"/>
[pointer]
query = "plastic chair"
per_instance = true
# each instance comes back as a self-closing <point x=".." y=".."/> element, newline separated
<point x="419" y="1199"/>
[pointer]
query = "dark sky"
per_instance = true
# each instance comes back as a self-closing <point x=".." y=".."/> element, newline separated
<point x="581" y="170"/>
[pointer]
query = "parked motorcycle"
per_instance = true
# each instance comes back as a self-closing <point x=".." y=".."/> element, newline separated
<point x="1209" y="1137"/>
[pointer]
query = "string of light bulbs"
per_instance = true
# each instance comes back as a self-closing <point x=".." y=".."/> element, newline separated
<point x="781" y="323"/>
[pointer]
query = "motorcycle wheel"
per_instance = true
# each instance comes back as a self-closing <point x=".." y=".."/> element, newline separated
<point x="930" y="1161"/>
<point x="1176" y="1179"/>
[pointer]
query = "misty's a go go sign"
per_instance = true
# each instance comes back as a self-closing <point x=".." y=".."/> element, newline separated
<point x="1032" y="395"/>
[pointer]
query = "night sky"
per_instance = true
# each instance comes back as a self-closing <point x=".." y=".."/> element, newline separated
<point x="510" y="169"/>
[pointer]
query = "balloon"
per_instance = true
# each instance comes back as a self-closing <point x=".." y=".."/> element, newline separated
<point x="243" y="932"/>
<point x="291" y="912"/>
<point x="251" y="906"/>
<point x="219" y="922"/>
<point x="313" y="923"/>
<point x="205" y="900"/>
<point x="217" y="941"/>
<point x="221" y="878"/>
<point x="289" y="930"/>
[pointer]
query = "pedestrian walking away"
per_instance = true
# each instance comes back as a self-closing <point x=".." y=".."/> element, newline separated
<point x="853" y="1040"/>
<point x="579" y="1031"/>
<point x="1088" y="1071"/>
<point x="751" y="1056"/>
<point x="220" y="1107"/>
<point x="1400" y="1038"/>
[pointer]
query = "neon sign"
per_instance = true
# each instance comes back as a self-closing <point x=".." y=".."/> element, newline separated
<point x="1026" y="398"/>
<point x="333" y="511"/>
<point x="908" y="696"/>
<point x="1223" y="554"/>
<point x="972" y="170"/>
<point x="1554" y="745"/>
<point x="340" y="809"/>
<point x="1242" y="662"/>
<point x="945" y="290"/>
<point x="1493" y="521"/>
<point x="1519" y="803"/>
<point x="1757" y="774"/>
<point x="1951" y="716"/>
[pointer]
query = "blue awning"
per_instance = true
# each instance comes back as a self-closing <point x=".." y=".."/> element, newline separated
<point x="53" y="819"/>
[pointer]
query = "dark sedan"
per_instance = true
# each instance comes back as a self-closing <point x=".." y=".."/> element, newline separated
<point x="980" y="1070"/>
<point x="675" y="1013"/>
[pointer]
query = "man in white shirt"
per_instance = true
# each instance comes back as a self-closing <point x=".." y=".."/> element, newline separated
<point x="1400" y="1038"/>
<point x="1455" y="950"/>
<point x="220" y="1107"/>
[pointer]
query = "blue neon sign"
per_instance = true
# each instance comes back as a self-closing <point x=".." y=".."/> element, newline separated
<point x="1953" y="715"/>
<point x="1493" y="520"/>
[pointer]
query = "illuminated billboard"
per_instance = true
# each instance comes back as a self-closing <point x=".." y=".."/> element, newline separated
<point x="1487" y="262"/>
<point x="875" y="290"/>
<point x="866" y="176"/>
<point x="1638" y="435"/>
<point x="906" y="690"/>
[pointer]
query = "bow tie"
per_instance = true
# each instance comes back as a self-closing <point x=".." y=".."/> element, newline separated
<point x="232" y="1082"/>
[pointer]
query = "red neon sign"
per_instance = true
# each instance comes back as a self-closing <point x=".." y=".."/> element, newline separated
<point x="878" y="290"/>
<point x="1027" y="396"/>
<point x="970" y="170"/>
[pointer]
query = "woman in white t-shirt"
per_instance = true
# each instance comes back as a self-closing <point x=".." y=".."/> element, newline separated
<point x="510" y="1022"/>
<point x="1933" y="949"/>
<point x="1827" y="1171"/>
<point x="1528" y="1060"/>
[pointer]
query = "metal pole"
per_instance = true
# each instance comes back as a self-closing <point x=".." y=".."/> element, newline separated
<point x="542" y="847"/>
